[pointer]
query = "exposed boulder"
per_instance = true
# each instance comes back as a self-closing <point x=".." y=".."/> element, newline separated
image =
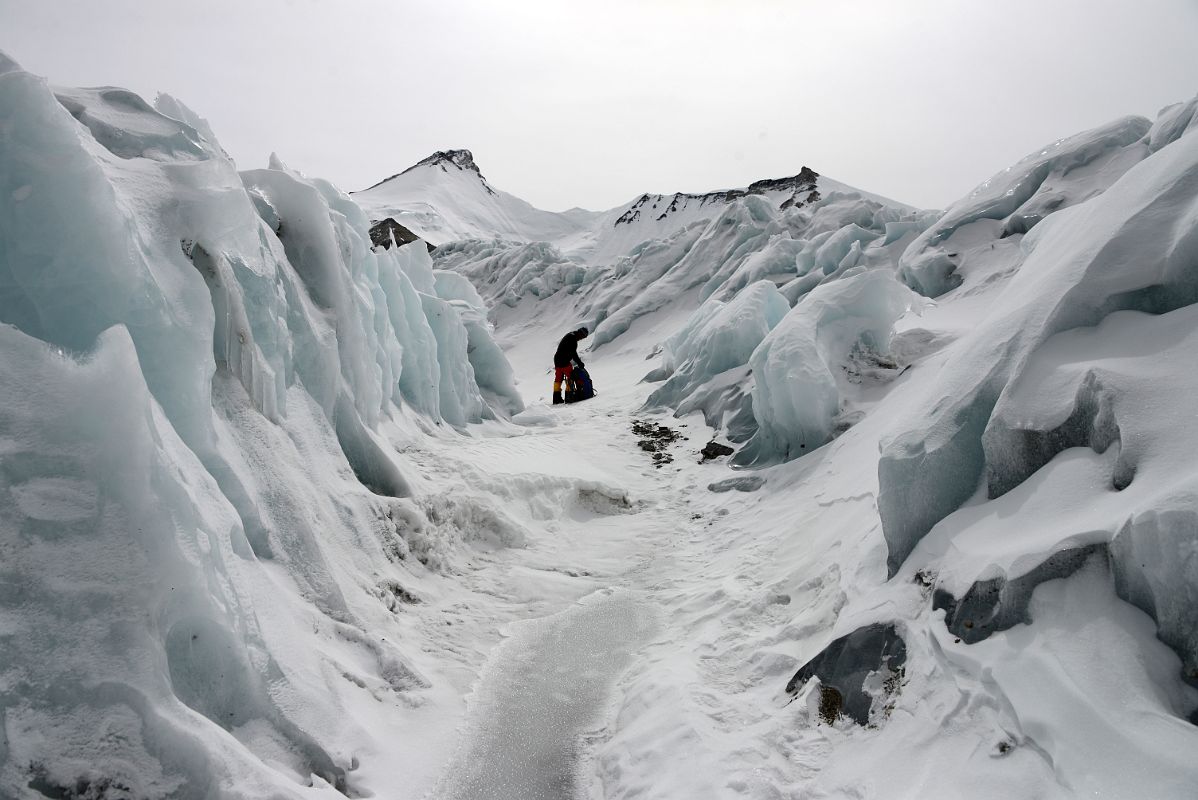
<point x="844" y="667"/>
<point x="714" y="449"/>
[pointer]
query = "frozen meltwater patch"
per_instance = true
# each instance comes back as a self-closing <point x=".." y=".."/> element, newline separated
<point x="543" y="689"/>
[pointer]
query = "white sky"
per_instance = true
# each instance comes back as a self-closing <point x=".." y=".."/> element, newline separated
<point x="566" y="103"/>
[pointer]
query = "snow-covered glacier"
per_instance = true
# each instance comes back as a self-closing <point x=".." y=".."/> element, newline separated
<point x="285" y="512"/>
<point x="985" y="507"/>
<point x="207" y="376"/>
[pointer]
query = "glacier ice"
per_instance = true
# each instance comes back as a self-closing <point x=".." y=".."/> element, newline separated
<point x="504" y="272"/>
<point x="224" y="493"/>
<point x="1105" y="388"/>
<point x="799" y="369"/>
<point x="718" y="337"/>
<point x="1058" y="176"/>
<point x="206" y="375"/>
<point x="1072" y="273"/>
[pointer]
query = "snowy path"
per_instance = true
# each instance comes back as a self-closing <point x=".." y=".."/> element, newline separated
<point x="546" y="690"/>
<point x="541" y="692"/>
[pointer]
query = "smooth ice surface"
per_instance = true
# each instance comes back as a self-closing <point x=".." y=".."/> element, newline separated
<point x="544" y="688"/>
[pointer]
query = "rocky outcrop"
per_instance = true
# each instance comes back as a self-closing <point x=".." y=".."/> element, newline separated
<point x="385" y="232"/>
<point x="846" y="665"/>
<point x="802" y="188"/>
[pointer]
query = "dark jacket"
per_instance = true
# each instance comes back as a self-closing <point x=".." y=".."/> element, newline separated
<point x="567" y="350"/>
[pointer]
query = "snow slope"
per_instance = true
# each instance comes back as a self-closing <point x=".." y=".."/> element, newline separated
<point x="445" y="198"/>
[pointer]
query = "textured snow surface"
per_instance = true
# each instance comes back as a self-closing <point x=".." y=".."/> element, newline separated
<point x="284" y="516"/>
<point x="1032" y="493"/>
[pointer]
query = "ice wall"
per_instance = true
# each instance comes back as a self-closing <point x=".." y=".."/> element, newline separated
<point x="1074" y="272"/>
<point x="702" y="359"/>
<point x="750" y="240"/>
<point x="1058" y="176"/>
<point x="205" y="375"/>
<point x="1037" y="499"/>
<point x="801" y="375"/>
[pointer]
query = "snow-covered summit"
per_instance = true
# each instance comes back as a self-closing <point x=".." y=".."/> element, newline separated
<point x="445" y="198"/>
<point x="459" y="159"/>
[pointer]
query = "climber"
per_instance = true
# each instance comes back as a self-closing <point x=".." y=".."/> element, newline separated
<point x="564" y="360"/>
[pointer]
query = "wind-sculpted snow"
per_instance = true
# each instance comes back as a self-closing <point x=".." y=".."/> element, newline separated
<point x="1062" y="174"/>
<point x="1075" y="271"/>
<point x="718" y="338"/>
<point x="1172" y="123"/>
<point x="504" y="272"/>
<point x="802" y="380"/>
<point x="1119" y="375"/>
<point x="205" y="375"/>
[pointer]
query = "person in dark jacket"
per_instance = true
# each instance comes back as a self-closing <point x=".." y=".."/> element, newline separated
<point x="564" y="360"/>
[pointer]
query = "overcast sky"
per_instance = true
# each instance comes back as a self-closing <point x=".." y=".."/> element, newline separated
<point x="589" y="104"/>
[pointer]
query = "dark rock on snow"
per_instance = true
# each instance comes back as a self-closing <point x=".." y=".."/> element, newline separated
<point x="997" y="604"/>
<point x="714" y="449"/>
<point x="386" y="231"/>
<point x="845" y="664"/>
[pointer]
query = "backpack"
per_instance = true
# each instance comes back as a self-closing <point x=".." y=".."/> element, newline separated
<point x="579" y="387"/>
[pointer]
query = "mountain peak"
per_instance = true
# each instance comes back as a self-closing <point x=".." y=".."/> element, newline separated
<point x="462" y="160"/>
<point x="794" y="191"/>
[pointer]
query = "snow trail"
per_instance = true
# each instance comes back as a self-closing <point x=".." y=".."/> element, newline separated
<point x="542" y="701"/>
<point x="540" y="693"/>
